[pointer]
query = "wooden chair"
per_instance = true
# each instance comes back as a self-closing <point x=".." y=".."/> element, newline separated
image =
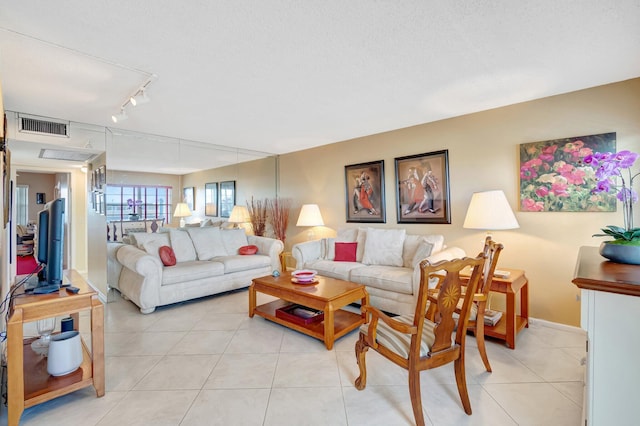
<point x="416" y="343"/>
<point x="476" y="318"/>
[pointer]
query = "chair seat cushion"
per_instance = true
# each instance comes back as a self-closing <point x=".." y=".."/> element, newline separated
<point x="400" y="342"/>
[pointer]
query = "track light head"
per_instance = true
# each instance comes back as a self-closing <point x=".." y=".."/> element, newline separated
<point x="139" y="98"/>
<point x="119" y="117"/>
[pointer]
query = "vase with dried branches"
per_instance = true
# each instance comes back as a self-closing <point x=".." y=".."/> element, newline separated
<point x="258" y="215"/>
<point x="278" y="209"/>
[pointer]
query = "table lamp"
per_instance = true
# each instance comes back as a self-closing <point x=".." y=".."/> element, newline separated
<point x="310" y="216"/>
<point x="239" y="214"/>
<point x="490" y="210"/>
<point x="182" y="211"/>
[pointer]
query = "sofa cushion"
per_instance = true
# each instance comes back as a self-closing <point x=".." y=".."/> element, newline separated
<point x="390" y="278"/>
<point x="233" y="239"/>
<point x="248" y="250"/>
<point x="361" y="240"/>
<point x="182" y="245"/>
<point x="328" y="249"/>
<point x="207" y="242"/>
<point x="167" y="256"/>
<point x="384" y="247"/>
<point x="329" y="268"/>
<point x="191" y="271"/>
<point x="239" y="263"/>
<point x="345" y="252"/>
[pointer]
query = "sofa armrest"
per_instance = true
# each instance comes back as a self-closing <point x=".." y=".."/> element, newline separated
<point x="141" y="277"/>
<point x="139" y="261"/>
<point x="447" y="254"/>
<point x="307" y="252"/>
<point x="268" y="246"/>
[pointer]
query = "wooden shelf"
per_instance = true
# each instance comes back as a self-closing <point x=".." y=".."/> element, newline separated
<point x="28" y="382"/>
<point x="499" y="330"/>
<point x="343" y="321"/>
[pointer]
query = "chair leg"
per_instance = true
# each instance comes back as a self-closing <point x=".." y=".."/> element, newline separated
<point x="461" y="381"/>
<point x="416" y="398"/>
<point x="479" y="332"/>
<point x="361" y="352"/>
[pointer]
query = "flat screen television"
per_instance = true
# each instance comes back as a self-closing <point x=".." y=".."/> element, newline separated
<point x="50" y="247"/>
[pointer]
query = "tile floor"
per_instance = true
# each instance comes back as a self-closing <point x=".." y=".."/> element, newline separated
<point x="206" y="363"/>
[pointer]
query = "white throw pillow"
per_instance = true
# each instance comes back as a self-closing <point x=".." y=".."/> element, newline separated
<point x="182" y="245"/>
<point x="207" y="242"/>
<point x="383" y="247"/>
<point x="347" y="235"/>
<point x="361" y="240"/>
<point x="329" y="248"/>
<point x="423" y="251"/>
<point x="437" y="240"/>
<point x="152" y="242"/>
<point x="233" y="239"/>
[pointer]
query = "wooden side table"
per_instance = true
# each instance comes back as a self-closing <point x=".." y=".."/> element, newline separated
<point x="511" y="323"/>
<point x="29" y="383"/>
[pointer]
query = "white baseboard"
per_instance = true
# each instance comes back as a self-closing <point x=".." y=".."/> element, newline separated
<point x="556" y="325"/>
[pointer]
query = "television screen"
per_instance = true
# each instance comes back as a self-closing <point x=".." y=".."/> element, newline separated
<point x="50" y="247"/>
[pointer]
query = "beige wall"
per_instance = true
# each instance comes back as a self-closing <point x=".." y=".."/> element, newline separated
<point x="483" y="155"/>
<point x="96" y="226"/>
<point x="37" y="182"/>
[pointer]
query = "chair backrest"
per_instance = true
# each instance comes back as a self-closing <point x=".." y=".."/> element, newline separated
<point x="450" y="291"/>
<point x="491" y="252"/>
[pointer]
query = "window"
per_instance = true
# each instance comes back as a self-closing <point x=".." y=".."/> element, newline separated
<point x="137" y="202"/>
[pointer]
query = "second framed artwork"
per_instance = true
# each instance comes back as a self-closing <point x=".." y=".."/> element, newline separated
<point x="364" y="185"/>
<point x="422" y="188"/>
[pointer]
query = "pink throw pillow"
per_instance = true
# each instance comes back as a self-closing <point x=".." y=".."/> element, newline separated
<point x="167" y="256"/>
<point x="248" y="250"/>
<point x="346" y="252"/>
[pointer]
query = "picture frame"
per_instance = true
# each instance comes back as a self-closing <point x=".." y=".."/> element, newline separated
<point x="41" y="198"/>
<point x="211" y="199"/>
<point x="554" y="178"/>
<point x="188" y="196"/>
<point x="422" y="188"/>
<point x="227" y="197"/>
<point x="364" y="190"/>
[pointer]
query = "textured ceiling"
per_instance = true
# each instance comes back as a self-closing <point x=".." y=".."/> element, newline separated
<point x="278" y="76"/>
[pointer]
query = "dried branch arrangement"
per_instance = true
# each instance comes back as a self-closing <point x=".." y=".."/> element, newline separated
<point x="258" y="215"/>
<point x="278" y="209"/>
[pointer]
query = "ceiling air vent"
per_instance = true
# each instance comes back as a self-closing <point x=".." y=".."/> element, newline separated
<point x="59" y="154"/>
<point x="44" y="127"/>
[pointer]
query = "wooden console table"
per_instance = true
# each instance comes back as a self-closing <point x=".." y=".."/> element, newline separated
<point x="28" y="381"/>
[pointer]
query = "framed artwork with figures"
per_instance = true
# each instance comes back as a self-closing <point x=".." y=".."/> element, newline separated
<point x="422" y="188"/>
<point x="364" y="187"/>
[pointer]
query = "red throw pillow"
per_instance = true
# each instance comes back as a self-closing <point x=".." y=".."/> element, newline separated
<point x="167" y="256"/>
<point x="248" y="249"/>
<point x="346" y="252"/>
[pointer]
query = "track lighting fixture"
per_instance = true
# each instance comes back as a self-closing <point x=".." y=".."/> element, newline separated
<point x="139" y="98"/>
<point x="119" y="117"/>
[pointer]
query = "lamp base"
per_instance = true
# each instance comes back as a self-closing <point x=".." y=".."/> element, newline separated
<point x="182" y="222"/>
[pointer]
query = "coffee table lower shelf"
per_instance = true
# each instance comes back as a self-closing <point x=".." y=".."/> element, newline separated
<point x="343" y="321"/>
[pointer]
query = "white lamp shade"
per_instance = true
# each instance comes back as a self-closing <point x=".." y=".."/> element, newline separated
<point x="490" y="210"/>
<point x="239" y="214"/>
<point x="310" y="216"/>
<point x="182" y="210"/>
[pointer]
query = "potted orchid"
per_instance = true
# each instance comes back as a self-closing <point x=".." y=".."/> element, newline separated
<point x="610" y="168"/>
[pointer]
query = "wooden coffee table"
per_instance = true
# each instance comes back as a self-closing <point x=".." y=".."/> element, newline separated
<point x="328" y="295"/>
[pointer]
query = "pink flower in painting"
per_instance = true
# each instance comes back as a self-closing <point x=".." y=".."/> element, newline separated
<point x="548" y="152"/>
<point x="530" y="205"/>
<point x="563" y="168"/>
<point x="559" y="189"/>
<point x="576" y="177"/>
<point x="543" y="191"/>
<point x="527" y="173"/>
<point x="584" y="152"/>
<point x="572" y="147"/>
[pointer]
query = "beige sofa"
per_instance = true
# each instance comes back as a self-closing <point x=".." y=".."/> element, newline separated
<point x="386" y="262"/>
<point x="207" y="263"/>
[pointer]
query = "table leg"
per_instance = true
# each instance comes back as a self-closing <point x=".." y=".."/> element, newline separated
<point x="364" y="301"/>
<point x="15" y="380"/>
<point x="524" y="303"/>
<point x="252" y="300"/>
<point x="511" y="318"/>
<point x="97" y="345"/>
<point x="328" y="326"/>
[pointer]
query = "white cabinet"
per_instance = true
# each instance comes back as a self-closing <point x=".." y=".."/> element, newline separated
<point x="610" y="314"/>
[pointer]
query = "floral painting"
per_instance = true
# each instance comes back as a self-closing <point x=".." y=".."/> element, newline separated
<point x="554" y="177"/>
